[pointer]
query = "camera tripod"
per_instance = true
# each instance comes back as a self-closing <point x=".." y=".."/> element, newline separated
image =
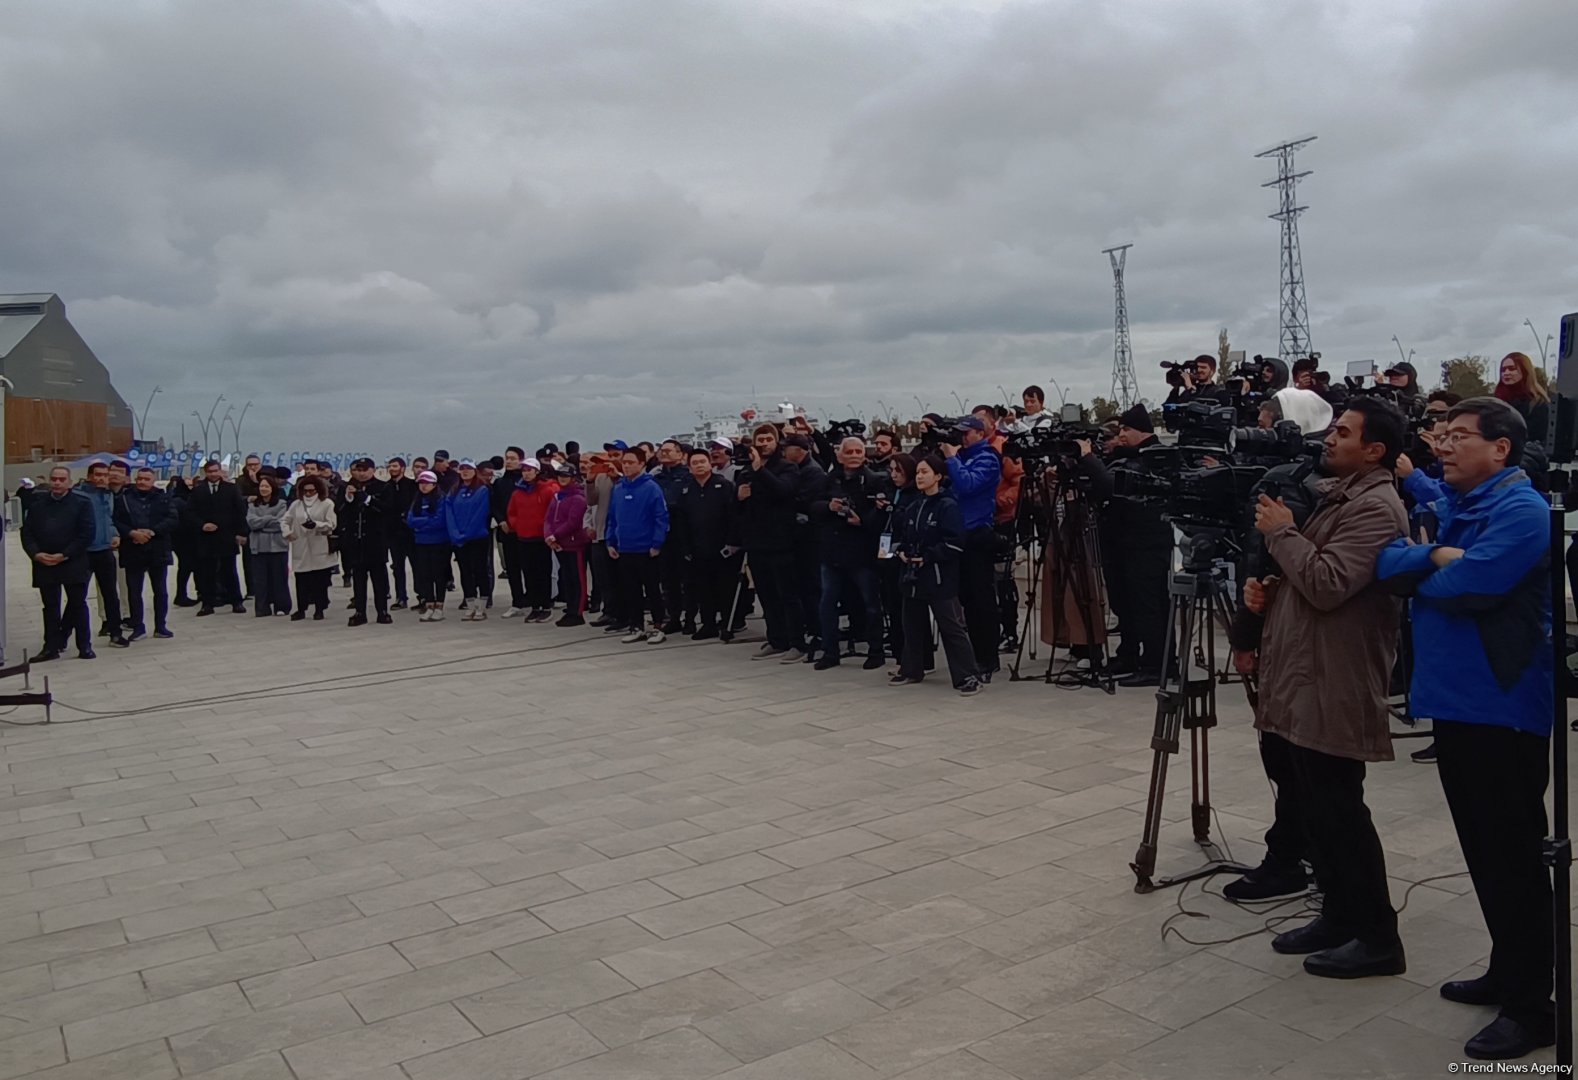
<point x="1186" y="701"/>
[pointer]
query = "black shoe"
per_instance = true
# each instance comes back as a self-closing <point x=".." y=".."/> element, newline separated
<point x="136" y="634"/>
<point x="297" y="616"/>
<point x="1427" y="756"/>
<point x="1009" y="646"/>
<point x="119" y="642"/>
<point x="184" y="601"/>
<point x="1506" y="1038"/>
<point x="238" y="609"/>
<point x="984" y="678"/>
<point x="104" y="631"/>
<point x="1120" y="666"/>
<point x="1358" y="960"/>
<point x="1312" y="937"/>
<point x="204" y="611"/>
<point x="725" y="636"/>
<point x="398" y="605"/>
<point x="568" y="619"/>
<point x="351" y="606"/>
<point x="1480" y="991"/>
<point x="127" y="624"/>
<point x="826" y="662"/>
<point x="898" y="679"/>
<point x="384" y="618"/>
<point x="539" y="614"/>
<point x="317" y="616"/>
<point x="87" y="654"/>
<point x="706" y="633"/>
<point x="357" y="620"/>
<point x="1268" y="881"/>
<point x="44" y="657"/>
<point x="1142" y="678"/>
<point x="971" y="686"/>
<point x="162" y="633"/>
<point x="738" y="628"/>
<point x="602" y="622"/>
<point x="873" y="662"/>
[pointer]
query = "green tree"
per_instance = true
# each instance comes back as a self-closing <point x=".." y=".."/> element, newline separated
<point x="1103" y="409"/>
<point x="1466" y="376"/>
<point x="1223" y="350"/>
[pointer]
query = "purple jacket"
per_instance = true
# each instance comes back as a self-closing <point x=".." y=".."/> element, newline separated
<point x="566" y="518"/>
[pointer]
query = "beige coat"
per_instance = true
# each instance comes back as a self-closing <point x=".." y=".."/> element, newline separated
<point x="1331" y="631"/>
<point x="309" y="548"/>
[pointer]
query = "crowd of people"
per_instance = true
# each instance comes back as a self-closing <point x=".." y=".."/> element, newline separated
<point x="871" y="552"/>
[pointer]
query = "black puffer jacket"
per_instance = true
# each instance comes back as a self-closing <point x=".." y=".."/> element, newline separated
<point x="362" y="527"/>
<point x="704" y="518"/>
<point x="153" y="510"/>
<point x="62" y="526"/>
<point x="843" y="543"/>
<point x="933" y="528"/>
<point x="768" y="523"/>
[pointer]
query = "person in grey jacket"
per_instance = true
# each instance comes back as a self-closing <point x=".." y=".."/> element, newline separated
<point x="267" y="549"/>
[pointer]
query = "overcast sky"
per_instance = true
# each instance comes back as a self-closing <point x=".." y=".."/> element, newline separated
<point x="465" y="222"/>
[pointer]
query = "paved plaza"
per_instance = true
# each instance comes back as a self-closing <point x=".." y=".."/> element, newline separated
<point x="497" y="851"/>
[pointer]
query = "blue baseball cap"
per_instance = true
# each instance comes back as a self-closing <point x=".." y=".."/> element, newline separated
<point x="974" y="423"/>
<point x="617" y="444"/>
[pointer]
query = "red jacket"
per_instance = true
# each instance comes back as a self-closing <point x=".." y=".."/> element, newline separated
<point x="529" y="506"/>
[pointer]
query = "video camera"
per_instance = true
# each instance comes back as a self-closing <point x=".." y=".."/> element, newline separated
<point x="949" y="431"/>
<point x="1050" y="442"/>
<point x="840" y="430"/>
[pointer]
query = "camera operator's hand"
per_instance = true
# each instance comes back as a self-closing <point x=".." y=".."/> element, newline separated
<point x="1245" y="661"/>
<point x="1444" y="556"/>
<point x="1084" y="447"/>
<point x="1405" y="467"/>
<point x="835" y="505"/>
<point x="1270" y="516"/>
<point x="950" y="450"/>
<point x="1259" y="592"/>
<point x="1187" y="374"/>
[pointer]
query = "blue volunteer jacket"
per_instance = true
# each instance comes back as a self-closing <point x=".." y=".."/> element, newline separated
<point x="975" y="472"/>
<point x="467" y="511"/>
<point x="637" y="515"/>
<point x="429" y="522"/>
<point x="1481" y="624"/>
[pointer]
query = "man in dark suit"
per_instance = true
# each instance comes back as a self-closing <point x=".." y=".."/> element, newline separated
<point x="56" y="535"/>
<point x="218" y="515"/>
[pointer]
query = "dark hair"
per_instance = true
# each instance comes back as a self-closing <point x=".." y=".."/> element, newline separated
<point x="309" y="461"/>
<point x="282" y="473"/>
<point x="395" y="459"/>
<point x="635" y="452"/>
<point x="518" y="451"/>
<point x="1446" y="396"/>
<point x="572" y="448"/>
<point x="1384" y="424"/>
<point x="1034" y="391"/>
<point x="905" y="462"/>
<point x="700" y="450"/>
<point x="983" y="408"/>
<point x="310" y="483"/>
<point x="1308" y="363"/>
<point x="96" y="465"/>
<point x="121" y="465"/>
<point x="144" y="469"/>
<point x="676" y="443"/>
<point x="273" y="487"/>
<point x="1497" y="420"/>
<point x="934" y="463"/>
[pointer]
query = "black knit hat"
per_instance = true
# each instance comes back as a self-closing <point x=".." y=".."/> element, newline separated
<point x="1139" y="418"/>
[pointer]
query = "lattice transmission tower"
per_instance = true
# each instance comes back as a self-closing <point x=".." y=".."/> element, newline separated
<point x="1295" y="315"/>
<point x="1125" y="387"/>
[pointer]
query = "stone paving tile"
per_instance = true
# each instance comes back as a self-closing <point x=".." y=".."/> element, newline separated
<point x="589" y="884"/>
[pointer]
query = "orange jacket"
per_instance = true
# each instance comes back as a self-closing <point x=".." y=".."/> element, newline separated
<point x="1008" y="487"/>
<point x="529" y="507"/>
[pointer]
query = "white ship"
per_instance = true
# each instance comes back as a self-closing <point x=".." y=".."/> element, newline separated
<point x="741" y="424"/>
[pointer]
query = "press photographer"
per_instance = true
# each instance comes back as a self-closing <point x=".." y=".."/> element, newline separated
<point x="974" y="470"/>
<point x="1137" y="545"/>
<point x="1192" y="380"/>
<point x="1324" y="666"/>
<point x="846" y="518"/>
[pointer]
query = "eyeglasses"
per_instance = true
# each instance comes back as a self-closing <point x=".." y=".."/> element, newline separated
<point x="1452" y="438"/>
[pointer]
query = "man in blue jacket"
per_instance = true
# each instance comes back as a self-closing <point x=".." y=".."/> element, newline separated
<point x="101" y="551"/>
<point x="637" y="529"/>
<point x="1482" y="673"/>
<point x="974" y="470"/>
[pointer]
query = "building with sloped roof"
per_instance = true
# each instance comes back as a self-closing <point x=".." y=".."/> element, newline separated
<point x="61" y="403"/>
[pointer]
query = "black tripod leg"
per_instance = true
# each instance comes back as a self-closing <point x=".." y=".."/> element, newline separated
<point x="1164" y="744"/>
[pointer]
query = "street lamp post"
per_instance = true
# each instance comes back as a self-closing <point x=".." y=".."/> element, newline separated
<point x="210" y="420"/>
<point x="142" y="421"/>
<point x="1006" y="399"/>
<point x="219" y="429"/>
<point x="235" y="425"/>
<point x="958" y="401"/>
<point x="1400" y="354"/>
<point x="1062" y="398"/>
<point x="1544" y="346"/>
<point x="921" y="403"/>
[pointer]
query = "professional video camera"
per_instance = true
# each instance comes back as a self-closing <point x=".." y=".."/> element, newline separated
<point x="933" y="438"/>
<point x="840" y="430"/>
<point x="1049" y="442"/>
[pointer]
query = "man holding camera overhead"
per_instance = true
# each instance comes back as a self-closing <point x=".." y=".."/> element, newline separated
<point x="1325" y="663"/>
<point x="974" y="470"/>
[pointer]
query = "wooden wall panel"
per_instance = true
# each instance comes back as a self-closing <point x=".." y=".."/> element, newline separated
<point x="64" y="429"/>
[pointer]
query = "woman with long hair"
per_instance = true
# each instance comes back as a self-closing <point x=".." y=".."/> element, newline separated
<point x="185" y="541"/>
<point x="893" y="502"/>
<point x="1519" y="386"/>
<point x="566" y="534"/>
<point x="430" y="547"/>
<point x="267" y="549"/>
<point x="930" y="542"/>
<point x="468" y="511"/>
<point x="308" y="523"/>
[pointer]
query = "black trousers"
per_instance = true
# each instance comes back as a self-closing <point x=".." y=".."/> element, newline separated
<point x="365" y="568"/>
<point x="1007" y="585"/>
<point x="1494" y="779"/>
<point x="246" y="574"/>
<point x="777" y="588"/>
<point x="217" y="582"/>
<point x="270" y="587"/>
<point x="429" y="567"/>
<point x="672" y="573"/>
<point x="1344" y="848"/>
<point x="514" y="574"/>
<point x="159" y="578"/>
<point x="808" y="583"/>
<point x="536" y="561"/>
<point x="710" y="585"/>
<point x="185" y="569"/>
<point x="918" y="612"/>
<point x="1286" y="843"/>
<point x="639" y="576"/>
<point x="312" y="589"/>
<point x="889" y="572"/>
<point x="104" y="578"/>
<point x="476" y="574"/>
<point x="978" y="595"/>
<point x="1137" y="590"/>
<point x="59" y="625"/>
<point x="400" y="553"/>
<point x="601" y="567"/>
<point x="572" y="580"/>
<point x="856" y="588"/>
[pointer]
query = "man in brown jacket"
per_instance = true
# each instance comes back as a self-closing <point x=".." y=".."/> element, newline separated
<point x="1325" y="663"/>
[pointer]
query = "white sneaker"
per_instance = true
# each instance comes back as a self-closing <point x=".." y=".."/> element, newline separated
<point x="656" y="637"/>
<point x="633" y="637"/>
<point x="435" y="615"/>
<point x="769" y="653"/>
<point x="511" y="613"/>
<point x="424" y="616"/>
<point x="793" y="656"/>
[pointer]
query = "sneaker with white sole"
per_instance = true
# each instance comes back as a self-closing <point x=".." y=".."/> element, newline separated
<point x="634" y="636"/>
<point x="435" y="615"/>
<point x="656" y="637"/>
<point x="793" y="656"/>
<point x="770" y="653"/>
<point x="511" y="613"/>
